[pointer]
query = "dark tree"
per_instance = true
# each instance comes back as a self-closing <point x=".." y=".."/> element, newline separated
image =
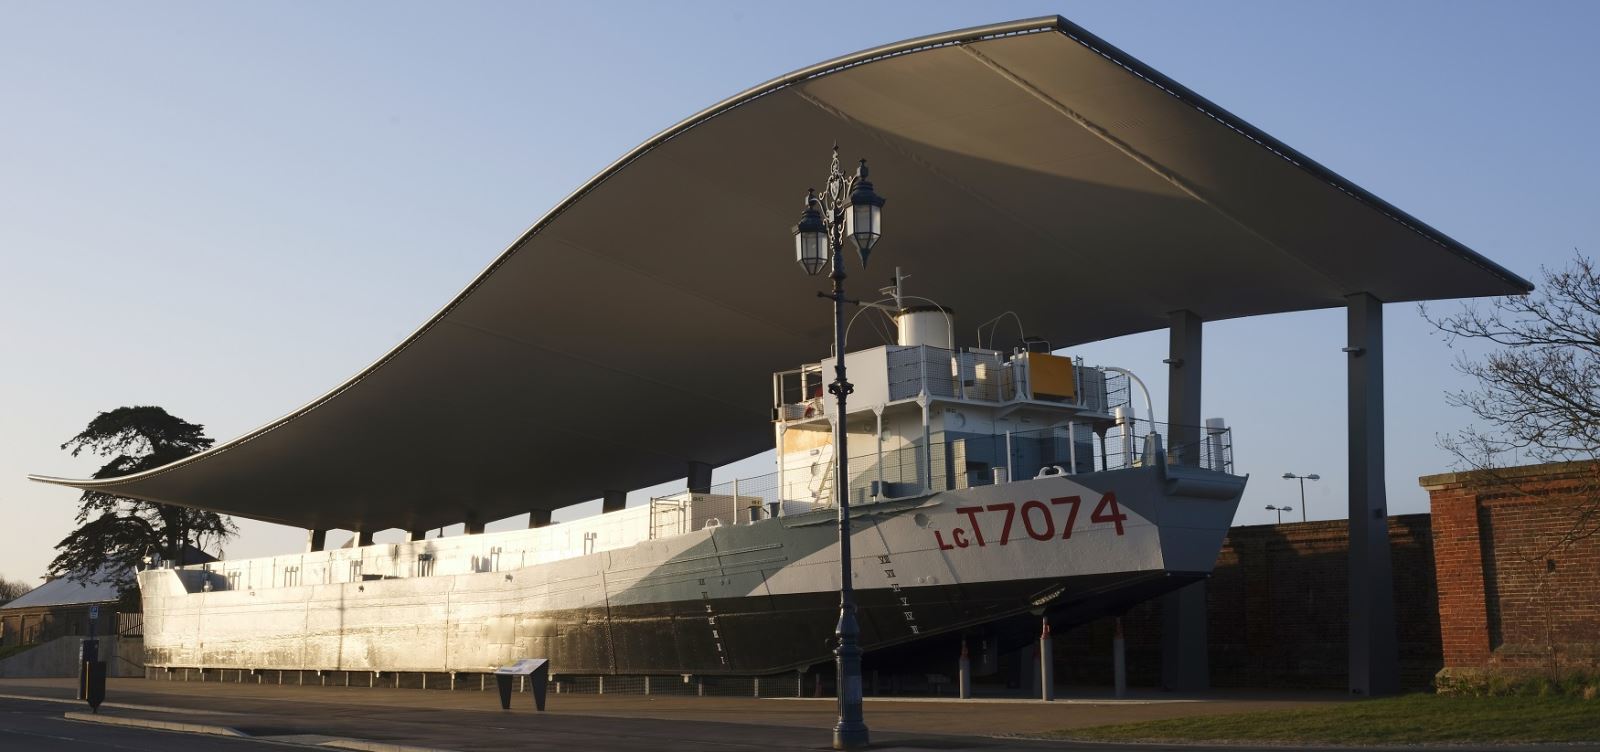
<point x="115" y="533"/>
<point x="11" y="590"/>
<point x="1538" y="390"/>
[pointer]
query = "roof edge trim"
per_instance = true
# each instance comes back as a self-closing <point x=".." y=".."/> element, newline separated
<point x="1239" y="125"/>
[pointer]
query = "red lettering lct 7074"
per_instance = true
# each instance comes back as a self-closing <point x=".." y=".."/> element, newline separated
<point x="1033" y="519"/>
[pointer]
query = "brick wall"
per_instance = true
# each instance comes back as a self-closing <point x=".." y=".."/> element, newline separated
<point x="1493" y="579"/>
<point x="1517" y="592"/>
<point x="1278" y="612"/>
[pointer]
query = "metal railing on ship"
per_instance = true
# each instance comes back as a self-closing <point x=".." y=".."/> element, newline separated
<point x="956" y="461"/>
<point x="970" y="374"/>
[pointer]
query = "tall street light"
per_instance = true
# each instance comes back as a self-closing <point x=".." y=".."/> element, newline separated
<point x="1302" y="479"/>
<point x="848" y="206"/>
<point x="1282" y="509"/>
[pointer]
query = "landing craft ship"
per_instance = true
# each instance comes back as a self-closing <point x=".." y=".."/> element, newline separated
<point x="1041" y="169"/>
<point x="998" y="486"/>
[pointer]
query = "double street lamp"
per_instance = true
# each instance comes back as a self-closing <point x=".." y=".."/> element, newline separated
<point x="1302" y="479"/>
<point x="1282" y="509"/>
<point x="847" y="206"/>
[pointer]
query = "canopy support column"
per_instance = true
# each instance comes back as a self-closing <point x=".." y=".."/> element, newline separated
<point x="538" y="518"/>
<point x="1183" y="388"/>
<point x="699" y="477"/>
<point x="1184" y="643"/>
<point x="416" y="535"/>
<point x="474" y="525"/>
<point x="316" y="540"/>
<point x="1374" y="647"/>
<point x="363" y="538"/>
<point x="613" y="501"/>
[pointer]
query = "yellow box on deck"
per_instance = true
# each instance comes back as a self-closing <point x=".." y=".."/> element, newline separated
<point x="1051" y="376"/>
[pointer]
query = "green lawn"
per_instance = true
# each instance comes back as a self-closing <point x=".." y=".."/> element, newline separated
<point x="1409" y="719"/>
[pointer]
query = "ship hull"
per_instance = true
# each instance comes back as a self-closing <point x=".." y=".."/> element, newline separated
<point x="756" y="598"/>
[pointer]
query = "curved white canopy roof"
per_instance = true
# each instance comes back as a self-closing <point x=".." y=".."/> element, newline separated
<point x="632" y="329"/>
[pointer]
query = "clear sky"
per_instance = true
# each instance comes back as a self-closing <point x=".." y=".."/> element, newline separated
<point x="227" y="208"/>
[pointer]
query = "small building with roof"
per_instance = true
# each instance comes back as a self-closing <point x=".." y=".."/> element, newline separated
<point x="58" y="608"/>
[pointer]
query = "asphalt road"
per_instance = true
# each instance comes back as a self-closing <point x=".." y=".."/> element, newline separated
<point x="29" y="725"/>
<point x="427" y="719"/>
<point x="38" y="725"/>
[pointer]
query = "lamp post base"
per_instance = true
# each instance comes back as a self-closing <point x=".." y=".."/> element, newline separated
<point x="852" y="737"/>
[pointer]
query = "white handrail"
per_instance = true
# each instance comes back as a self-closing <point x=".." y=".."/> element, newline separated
<point x="1149" y="406"/>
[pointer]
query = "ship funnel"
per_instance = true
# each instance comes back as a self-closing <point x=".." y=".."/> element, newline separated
<point x="925" y="325"/>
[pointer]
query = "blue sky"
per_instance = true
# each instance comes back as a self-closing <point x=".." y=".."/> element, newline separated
<point x="226" y="209"/>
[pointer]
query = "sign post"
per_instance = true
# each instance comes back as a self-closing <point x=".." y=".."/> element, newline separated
<point x="92" y="670"/>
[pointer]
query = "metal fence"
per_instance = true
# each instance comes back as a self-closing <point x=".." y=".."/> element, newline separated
<point x="973" y="374"/>
<point x="952" y="460"/>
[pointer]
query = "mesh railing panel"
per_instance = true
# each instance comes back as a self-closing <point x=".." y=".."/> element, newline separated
<point x="952" y="462"/>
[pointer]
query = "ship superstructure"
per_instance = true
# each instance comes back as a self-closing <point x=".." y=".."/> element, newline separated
<point x="987" y="485"/>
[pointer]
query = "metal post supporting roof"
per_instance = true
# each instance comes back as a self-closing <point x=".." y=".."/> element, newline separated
<point x="1374" y="651"/>
<point x="1184" y="664"/>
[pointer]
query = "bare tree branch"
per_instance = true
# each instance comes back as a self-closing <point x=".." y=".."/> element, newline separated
<point x="1537" y="395"/>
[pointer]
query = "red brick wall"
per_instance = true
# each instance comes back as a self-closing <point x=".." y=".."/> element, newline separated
<point x="1515" y="594"/>
<point x="1480" y="584"/>
<point x="1278" y="604"/>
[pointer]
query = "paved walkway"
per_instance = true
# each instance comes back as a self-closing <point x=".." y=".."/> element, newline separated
<point x="471" y="720"/>
<point x="983" y="718"/>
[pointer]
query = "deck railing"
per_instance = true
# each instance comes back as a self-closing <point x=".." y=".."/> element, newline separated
<point x="953" y="461"/>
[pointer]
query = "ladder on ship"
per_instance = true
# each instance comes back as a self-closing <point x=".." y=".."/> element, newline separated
<point x="823" y="493"/>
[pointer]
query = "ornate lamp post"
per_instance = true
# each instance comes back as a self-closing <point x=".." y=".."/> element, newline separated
<point x="848" y="206"/>
<point x="1302" y="479"/>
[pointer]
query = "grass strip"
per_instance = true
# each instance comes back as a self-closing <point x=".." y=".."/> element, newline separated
<point x="1410" y="719"/>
